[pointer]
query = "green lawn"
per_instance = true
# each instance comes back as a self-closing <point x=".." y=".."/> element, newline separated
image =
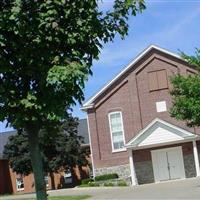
<point x="66" y="198"/>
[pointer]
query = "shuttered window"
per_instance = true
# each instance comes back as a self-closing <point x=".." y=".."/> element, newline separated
<point x="46" y="179"/>
<point x="116" y="129"/>
<point x="158" y="80"/>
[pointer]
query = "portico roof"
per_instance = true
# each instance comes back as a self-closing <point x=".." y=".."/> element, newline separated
<point x="158" y="133"/>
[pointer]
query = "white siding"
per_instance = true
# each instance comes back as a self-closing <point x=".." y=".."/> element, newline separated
<point x="160" y="135"/>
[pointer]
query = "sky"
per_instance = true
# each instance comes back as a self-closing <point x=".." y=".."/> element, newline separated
<point x="170" y="24"/>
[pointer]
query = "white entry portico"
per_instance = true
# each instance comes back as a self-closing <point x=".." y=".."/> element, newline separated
<point x="167" y="162"/>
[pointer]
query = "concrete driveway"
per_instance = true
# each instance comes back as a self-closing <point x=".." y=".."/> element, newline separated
<point x="180" y="189"/>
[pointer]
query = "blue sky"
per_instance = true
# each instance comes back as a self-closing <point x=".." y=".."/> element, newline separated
<point x="170" y="24"/>
<point x="174" y="25"/>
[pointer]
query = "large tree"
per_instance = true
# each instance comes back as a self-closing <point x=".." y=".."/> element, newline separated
<point x="186" y="93"/>
<point x="47" y="48"/>
<point x="60" y="147"/>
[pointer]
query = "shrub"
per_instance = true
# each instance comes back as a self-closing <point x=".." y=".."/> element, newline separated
<point x="84" y="185"/>
<point x="86" y="181"/>
<point x="122" y="183"/>
<point x="106" y="177"/>
<point x="108" y="184"/>
<point x="93" y="184"/>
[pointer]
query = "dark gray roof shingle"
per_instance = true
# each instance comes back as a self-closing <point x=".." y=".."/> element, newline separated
<point x="83" y="130"/>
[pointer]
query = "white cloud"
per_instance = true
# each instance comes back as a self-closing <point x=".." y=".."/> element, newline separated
<point x="179" y="25"/>
<point x="123" y="51"/>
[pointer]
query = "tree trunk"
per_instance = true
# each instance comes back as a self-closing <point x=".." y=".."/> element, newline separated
<point x="36" y="161"/>
<point x="53" y="187"/>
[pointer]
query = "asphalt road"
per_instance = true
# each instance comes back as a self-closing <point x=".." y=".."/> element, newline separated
<point x="179" y="189"/>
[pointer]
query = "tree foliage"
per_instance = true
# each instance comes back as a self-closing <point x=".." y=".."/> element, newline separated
<point x="47" y="48"/>
<point x="186" y="93"/>
<point x="61" y="149"/>
<point x="46" y="53"/>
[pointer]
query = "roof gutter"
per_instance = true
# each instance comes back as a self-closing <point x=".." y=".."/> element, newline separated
<point x="86" y="107"/>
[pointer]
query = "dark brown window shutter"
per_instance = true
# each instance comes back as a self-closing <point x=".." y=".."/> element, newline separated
<point x="158" y="80"/>
<point x="162" y="79"/>
<point x="153" y="81"/>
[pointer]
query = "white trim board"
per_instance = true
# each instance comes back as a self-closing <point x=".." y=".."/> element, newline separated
<point x="91" y="150"/>
<point x="89" y="104"/>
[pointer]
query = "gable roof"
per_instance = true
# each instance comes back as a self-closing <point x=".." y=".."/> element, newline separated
<point x="89" y="103"/>
<point x="160" y="132"/>
<point x="83" y="131"/>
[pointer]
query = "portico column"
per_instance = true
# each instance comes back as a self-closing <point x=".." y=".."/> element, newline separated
<point x="196" y="157"/>
<point x="132" y="167"/>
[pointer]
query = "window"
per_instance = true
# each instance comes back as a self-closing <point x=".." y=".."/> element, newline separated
<point x="20" y="183"/>
<point x="158" y="80"/>
<point x="68" y="177"/>
<point x="117" y="132"/>
<point x="161" y="106"/>
<point x="46" y="179"/>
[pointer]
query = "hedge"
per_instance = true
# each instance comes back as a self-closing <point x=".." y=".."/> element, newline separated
<point x="122" y="183"/>
<point x="106" y="177"/>
<point x="86" y="181"/>
<point x="109" y="184"/>
<point x="93" y="184"/>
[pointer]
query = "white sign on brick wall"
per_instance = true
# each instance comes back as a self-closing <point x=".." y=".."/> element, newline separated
<point x="161" y="106"/>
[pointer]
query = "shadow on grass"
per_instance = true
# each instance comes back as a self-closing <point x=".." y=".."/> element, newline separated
<point x="82" y="197"/>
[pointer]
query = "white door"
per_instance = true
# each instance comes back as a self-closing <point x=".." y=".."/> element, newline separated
<point x="168" y="164"/>
<point x="161" y="168"/>
<point x="176" y="165"/>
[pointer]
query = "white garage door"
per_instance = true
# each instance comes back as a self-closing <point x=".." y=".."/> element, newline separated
<point x="168" y="164"/>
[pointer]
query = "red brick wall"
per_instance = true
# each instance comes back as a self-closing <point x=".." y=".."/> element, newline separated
<point x="131" y="95"/>
<point x="5" y="179"/>
<point x="8" y="179"/>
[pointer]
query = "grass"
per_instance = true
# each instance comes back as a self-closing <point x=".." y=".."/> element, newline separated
<point x="82" y="197"/>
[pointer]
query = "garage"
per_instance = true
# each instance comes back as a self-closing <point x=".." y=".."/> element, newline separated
<point x="168" y="164"/>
